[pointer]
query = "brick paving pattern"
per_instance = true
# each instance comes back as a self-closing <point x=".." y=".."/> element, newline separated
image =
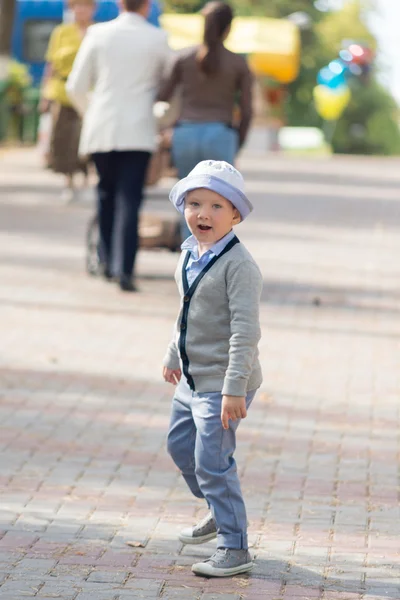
<point x="83" y="410"/>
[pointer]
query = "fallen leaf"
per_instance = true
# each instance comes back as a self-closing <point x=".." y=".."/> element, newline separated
<point x="136" y="544"/>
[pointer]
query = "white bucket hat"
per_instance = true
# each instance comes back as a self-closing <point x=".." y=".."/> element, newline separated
<point x="218" y="176"/>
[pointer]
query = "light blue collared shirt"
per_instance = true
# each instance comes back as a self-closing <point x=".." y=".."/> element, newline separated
<point x="195" y="263"/>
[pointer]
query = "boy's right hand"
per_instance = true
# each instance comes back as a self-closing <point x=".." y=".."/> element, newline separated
<point x="172" y="375"/>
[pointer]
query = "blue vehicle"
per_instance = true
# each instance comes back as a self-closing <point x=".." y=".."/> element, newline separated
<point x="36" y="19"/>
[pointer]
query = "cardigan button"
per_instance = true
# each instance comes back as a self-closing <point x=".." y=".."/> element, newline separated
<point x="183" y="326"/>
<point x="186" y="298"/>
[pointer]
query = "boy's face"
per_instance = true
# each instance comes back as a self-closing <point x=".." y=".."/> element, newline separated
<point x="209" y="215"/>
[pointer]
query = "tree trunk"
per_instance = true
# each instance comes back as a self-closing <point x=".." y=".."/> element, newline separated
<point x="7" y="11"/>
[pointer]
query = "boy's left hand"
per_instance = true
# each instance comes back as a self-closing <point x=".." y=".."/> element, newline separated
<point x="172" y="375"/>
<point x="234" y="408"/>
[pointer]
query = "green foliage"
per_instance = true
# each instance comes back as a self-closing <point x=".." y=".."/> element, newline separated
<point x="369" y="124"/>
<point x="183" y="6"/>
<point x="276" y="8"/>
<point x="345" y="24"/>
<point x="265" y="8"/>
<point x="18" y="80"/>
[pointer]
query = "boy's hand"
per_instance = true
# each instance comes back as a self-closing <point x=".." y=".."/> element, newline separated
<point x="234" y="408"/>
<point x="172" y="375"/>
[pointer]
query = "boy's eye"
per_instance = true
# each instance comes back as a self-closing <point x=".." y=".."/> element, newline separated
<point x="193" y="203"/>
<point x="217" y="206"/>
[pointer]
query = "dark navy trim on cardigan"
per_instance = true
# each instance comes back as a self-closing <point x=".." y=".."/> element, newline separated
<point x="184" y="273"/>
<point x="188" y="294"/>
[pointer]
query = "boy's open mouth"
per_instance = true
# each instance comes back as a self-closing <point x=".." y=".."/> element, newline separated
<point x="204" y="227"/>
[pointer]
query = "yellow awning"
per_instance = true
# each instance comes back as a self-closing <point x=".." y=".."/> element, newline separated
<point x="273" y="45"/>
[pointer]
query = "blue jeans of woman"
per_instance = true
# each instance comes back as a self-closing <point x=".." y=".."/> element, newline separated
<point x="194" y="142"/>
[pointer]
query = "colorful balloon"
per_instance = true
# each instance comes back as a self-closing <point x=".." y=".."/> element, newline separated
<point x="330" y="79"/>
<point x="337" y="67"/>
<point x="355" y="69"/>
<point x="361" y="54"/>
<point x="346" y="55"/>
<point x="329" y="103"/>
<point x="332" y="95"/>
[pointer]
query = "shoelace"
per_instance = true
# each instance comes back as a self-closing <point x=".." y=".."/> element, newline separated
<point x="219" y="554"/>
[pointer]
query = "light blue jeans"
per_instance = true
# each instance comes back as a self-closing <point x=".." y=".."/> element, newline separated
<point x="194" y="142"/>
<point x="203" y="451"/>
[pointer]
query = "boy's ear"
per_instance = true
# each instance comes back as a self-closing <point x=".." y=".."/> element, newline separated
<point x="236" y="216"/>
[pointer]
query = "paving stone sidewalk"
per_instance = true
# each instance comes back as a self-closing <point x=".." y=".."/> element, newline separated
<point x="83" y="410"/>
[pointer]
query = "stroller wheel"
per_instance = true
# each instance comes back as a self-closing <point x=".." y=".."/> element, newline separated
<point x="92" y="242"/>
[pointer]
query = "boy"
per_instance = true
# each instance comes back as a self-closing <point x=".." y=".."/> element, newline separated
<point x="214" y="358"/>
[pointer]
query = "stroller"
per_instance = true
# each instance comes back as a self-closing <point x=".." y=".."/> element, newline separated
<point x="155" y="233"/>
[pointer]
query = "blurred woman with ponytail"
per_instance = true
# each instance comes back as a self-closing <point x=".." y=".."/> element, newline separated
<point x="212" y="82"/>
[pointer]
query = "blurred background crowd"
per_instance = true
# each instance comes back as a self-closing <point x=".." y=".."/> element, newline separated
<point x="318" y="65"/>
<point x="309" y="74"/>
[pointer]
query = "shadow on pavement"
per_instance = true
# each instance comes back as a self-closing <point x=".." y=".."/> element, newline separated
<point x="283" y="292"/>
<point x="280" y="293"/>
<point x="84" y="469"/>
<point x="314" y="177"/>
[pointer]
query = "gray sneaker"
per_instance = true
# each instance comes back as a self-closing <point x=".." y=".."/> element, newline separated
<point x="204" y="531"/>
<point x="224" y="563"/>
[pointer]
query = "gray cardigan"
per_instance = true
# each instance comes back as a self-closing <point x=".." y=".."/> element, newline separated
<point x="218" y="329"/>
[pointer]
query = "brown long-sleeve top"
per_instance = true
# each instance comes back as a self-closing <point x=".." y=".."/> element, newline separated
<point x="206" y="99"/>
